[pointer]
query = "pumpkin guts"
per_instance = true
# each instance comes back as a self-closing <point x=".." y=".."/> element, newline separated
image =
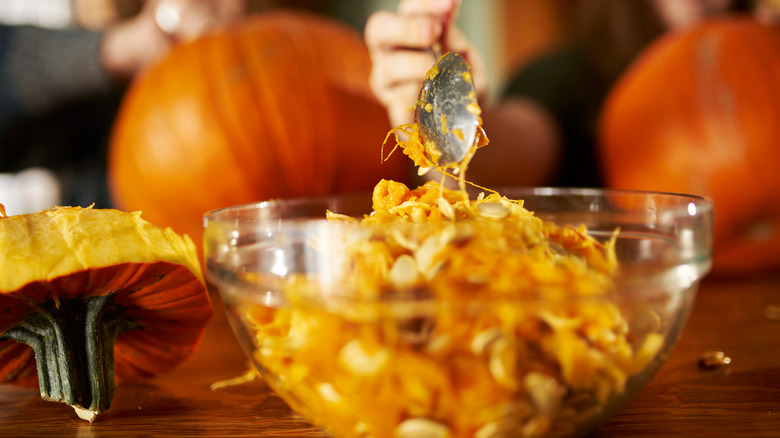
<point x="446" y="305"/>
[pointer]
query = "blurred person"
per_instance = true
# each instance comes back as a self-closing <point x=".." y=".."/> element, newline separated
<point x="60" y="89"/>
<point x="542" y="130"/>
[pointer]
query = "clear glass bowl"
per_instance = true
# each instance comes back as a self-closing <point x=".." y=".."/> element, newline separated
<point x="410" y="365"/>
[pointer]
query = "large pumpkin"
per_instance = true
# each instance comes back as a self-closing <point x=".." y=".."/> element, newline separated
<point x="277" y="106"/>
<point x="699" y="112"/>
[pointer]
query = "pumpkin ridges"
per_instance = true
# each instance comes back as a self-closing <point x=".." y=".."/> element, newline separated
<point x="747" y="160"/>
<point x="182" y="119"/>
<point x="352" y="156"/>
<point x="296" y="152"/>
<point x="284" y="141"/>
<point x="756" y="161"/>
<point x="151" y="131"/>
<point x="253" y="54"/>
<point x="354" y="101"/>
<point x="237" y="150"/>
<point x="323" y="141"/>
<point x="173" y="324"/>
<point x="265" y="89"/>
<point x="152" y="285"/>
<point x="266" y="127"/>
<point x="17" y="364"/>
<point x="335" y="63"/>
<point x="719" y="142"/>
<point x="79" y="278"/>
<point x="230" y="97"/>
<point x="767" y="130"/>
<point x="140" y="356"/>
<point x="722" y="138"/>
<point x="12" y="310"/>
<point x="199" y="124"/>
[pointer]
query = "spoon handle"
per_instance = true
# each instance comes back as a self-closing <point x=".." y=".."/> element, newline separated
<point x="439" y="47"/>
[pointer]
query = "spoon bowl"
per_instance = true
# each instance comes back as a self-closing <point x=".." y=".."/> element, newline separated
<point x="446" y="111"/>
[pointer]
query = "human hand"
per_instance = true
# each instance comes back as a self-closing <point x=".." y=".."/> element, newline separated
<point x="137" y="42"/>
<point x="400" y="45"/>
<point x="185" y="20"/>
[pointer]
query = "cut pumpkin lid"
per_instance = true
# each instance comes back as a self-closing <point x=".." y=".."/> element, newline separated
<point x="98" y="293"/>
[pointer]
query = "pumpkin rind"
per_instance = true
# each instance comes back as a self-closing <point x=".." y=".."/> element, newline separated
<point x="96" y="294"/>
<point x="697" y="113"/>
<point x="278" y="105"/>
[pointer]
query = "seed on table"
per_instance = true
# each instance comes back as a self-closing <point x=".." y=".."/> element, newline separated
<point x="772" y="312"/>
<point x="713" y="359"/>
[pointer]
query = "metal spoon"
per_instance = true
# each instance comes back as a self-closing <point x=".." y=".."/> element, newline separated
<point x="447" y="112"/>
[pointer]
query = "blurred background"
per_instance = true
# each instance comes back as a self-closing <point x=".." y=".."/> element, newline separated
<point x="177" y="107"/>
<point x="53" y="147"/>
<point x="508" y="32"/>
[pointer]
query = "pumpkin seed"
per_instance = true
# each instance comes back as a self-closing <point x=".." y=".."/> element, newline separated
<point x="536" y="426"/>
<point x="402" y="239"/>
<point x="355" y="358"/>
<point x="503" y="362"/>
<point x="504" y="420"/>
<point x="713" y="359"/>
<point x="427" y="252"/>
<point x="493" y="210"/>
<point x="484" y="340"/>
<point x="329" y="393"/>
<point x="422" y="428"/>
<point x="560" y="322"/>
<point x="433" y="270"/>
<point x="544" y="392"/>
<point x="645" y="320"/>
<point x="447" y="234"/>
<point x="438" y="343"/>
<point x="403" y="274"/>
<point x="446" y="208"/>
<point x="496" y="429"/>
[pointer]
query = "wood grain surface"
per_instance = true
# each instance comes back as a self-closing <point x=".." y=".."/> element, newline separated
<point x="683" y="400"/>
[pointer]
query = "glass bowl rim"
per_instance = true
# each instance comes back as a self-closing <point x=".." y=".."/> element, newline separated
<point x="687" y="273"/>
<point x="704" y="204"/>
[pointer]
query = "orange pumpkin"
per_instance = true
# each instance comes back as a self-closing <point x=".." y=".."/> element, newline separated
<point x="699" y="112"/>
<point x="87" y="295"/>
<point x="277" y="106"/>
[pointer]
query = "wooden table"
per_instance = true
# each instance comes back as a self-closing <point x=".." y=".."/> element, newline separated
<point x="740" y="400"/>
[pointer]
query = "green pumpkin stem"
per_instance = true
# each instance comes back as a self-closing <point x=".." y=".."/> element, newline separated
<point x="73" y="341"/>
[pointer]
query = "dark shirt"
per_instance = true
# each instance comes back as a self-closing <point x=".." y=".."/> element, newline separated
<point x="569" y="88"/>
<point x="56" y="107"/>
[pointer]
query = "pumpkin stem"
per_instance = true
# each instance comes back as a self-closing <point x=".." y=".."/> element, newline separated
<point x="73" y="341"/>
